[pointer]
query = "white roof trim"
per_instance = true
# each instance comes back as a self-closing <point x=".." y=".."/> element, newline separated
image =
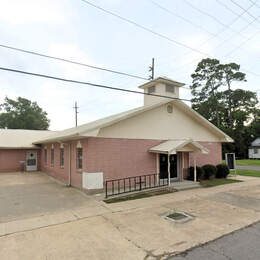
<point x="92" y="128"/>
<point x="173" y="146"/>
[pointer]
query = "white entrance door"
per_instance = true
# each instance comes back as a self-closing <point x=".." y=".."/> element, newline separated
<point x="31" y="161"/>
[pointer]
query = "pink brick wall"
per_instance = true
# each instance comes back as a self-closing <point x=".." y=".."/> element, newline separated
<point x="213" y="157"/>
<point x="117" y="158"/>
<point x="9" y="159"/>
<point x="56" y="170"/>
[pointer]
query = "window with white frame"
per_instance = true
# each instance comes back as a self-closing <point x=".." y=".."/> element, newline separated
<point x="61" y="157"/>
<point x="79" y="158"/>
<point x="52" y="156"/>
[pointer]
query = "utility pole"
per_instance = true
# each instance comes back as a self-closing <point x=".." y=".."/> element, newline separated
<point x="76" y="113"/>
<point x="151" y="68"/>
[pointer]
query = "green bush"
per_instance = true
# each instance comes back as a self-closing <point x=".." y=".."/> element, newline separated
<point x="200" y="173"/>
<point x="209" y="171"/>
<point x="222" y="171"/>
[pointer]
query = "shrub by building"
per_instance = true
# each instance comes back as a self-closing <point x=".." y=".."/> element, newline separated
<point x="209" y="171"/>
<point x="222" y="171"/>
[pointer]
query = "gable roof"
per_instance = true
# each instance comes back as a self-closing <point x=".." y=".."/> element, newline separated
<point x="173" y="146"/>
<point x="20" y="138"/>
<point x="92" y="128"/>
<point x="256" y="142"/>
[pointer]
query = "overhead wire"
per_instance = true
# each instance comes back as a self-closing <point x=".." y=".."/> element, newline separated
<point x="71" y="61"/>
<point x="86" y="83"/>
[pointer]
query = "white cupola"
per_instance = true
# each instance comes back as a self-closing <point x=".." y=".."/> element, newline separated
<point x="160" y="86"/>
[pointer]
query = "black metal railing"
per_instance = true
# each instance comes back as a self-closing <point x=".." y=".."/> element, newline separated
<point x="132" y="184"/>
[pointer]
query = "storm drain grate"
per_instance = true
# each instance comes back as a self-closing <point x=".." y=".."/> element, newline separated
<point x="177" y="216"/>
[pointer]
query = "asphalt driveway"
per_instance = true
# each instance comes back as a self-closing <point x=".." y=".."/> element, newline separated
<point x="24" y="195"/>
<point x="248" y="167"/>
<point x="240" y="245"/>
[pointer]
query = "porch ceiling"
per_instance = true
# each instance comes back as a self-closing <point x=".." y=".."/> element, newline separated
<point x="174" y="146"/>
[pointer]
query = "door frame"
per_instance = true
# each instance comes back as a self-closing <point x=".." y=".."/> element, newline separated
<point x="30" y="168"/>
<point x="158" y="167"/>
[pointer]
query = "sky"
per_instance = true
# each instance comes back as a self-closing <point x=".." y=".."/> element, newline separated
<point x="190" y="30"/>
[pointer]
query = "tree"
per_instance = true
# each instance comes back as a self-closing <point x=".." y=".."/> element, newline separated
<point x="236" y="112"/>
<point x="205" y="83"/>
<point x="22" y="114"/>
<point x="231" y="73"/>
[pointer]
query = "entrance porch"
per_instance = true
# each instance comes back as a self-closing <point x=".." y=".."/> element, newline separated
<point x="173" y="158"/>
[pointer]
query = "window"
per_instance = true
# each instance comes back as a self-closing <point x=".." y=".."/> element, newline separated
<point x="79" y="158"/>
<point x="52" y="156"/>
<point x="45" y="156"/>
<point x="169" y="88"/>
<point x="255" y="150"/>
<point x="169" y="108"/>
<point x="151" y="89"/>
<point x="61" y="157"/>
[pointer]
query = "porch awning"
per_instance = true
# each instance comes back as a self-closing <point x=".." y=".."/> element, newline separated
<point x="173" y="146"/>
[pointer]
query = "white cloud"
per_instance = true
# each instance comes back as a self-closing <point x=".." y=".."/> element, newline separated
<point x="31" y="11"/>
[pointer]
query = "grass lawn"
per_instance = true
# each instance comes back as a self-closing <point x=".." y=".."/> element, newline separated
<point x="138" y="196"/>
<point x="252" y="173"/>
<point x="248" y="162"/>
<point x="217" y="182"/>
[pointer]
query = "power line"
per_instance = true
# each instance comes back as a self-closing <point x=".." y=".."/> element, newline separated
<point x="231" y="10"/>
<point x="151" y="31"/>
<point x="181" y="17"/>
<point x="212" y="17"/>
<point x="225" y="28"/>
<point x="143" y="27"/>
<point x="241" y="7"/>
<point x="71" y="61"/>
<point x="87" y="83"/>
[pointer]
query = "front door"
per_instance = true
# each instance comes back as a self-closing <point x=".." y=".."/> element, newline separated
<point x="164" y="166"/>
<point x="31" y="161"/>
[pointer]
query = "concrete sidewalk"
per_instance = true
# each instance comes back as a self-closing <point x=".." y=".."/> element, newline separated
<point x="133" y="229"/>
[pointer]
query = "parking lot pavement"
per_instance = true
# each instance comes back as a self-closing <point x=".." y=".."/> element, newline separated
<point x="56" y="222"/>
<point x="240" y="245"/>
<point x="24" y="195"/>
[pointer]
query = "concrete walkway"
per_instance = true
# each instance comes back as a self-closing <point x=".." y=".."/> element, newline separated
<point x="248" y="167"/>
<point x="132" y="229"/>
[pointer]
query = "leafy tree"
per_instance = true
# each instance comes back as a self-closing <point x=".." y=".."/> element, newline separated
<point x="231" y="73"/>
<point x="236" y="112"/>
<point x="22" y="114"/>
<point x="205" y="83"/>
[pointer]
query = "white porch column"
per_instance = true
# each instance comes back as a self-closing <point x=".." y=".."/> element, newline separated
<point x="195" y="169"/>
<point x="169" y="171"/>
<point x="182" y="157"/>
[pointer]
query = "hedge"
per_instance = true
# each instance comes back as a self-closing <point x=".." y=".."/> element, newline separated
<point x="209" y="171"/>
<point x="222" y="171"/>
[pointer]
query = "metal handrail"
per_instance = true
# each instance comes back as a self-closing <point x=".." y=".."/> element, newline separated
<point x="133" y="183"/>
